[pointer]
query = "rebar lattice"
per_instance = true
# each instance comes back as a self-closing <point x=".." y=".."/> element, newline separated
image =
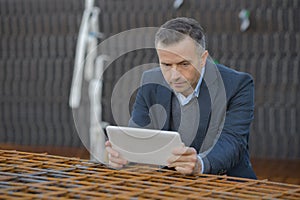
<point x="31" y="175"/>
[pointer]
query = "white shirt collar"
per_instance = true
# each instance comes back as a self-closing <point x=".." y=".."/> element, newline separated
<point x="185" y="100"/>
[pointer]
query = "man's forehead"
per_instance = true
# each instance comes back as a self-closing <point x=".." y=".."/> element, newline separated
<point x="182" y="49"/>
<point x="184" y="40"/>
<point x="166" y="54"/>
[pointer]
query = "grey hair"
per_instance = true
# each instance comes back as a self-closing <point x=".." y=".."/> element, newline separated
<point x="177" y="29"/>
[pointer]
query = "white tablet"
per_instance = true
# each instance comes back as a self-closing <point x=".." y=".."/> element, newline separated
<point x="143" y="145"/>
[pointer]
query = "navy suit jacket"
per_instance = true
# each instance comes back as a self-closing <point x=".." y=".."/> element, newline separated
<point x="226" y="104"/>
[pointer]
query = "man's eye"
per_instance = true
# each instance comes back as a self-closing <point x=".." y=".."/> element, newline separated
<point x="185" y="64"/>
<point x="165" y="65"/>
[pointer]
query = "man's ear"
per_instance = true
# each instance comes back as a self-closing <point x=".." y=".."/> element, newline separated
<point x="203" y="58"/>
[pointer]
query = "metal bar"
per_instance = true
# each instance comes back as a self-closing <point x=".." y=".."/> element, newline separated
<point x="43" y="176"/>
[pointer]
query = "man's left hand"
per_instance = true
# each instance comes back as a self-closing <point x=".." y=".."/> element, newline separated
<point x="185" y="160"/>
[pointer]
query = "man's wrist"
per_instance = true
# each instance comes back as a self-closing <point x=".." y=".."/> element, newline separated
<point x="198" y="169"/>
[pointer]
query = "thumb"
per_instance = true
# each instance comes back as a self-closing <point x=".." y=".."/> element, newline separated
<point x="107" y="143"/>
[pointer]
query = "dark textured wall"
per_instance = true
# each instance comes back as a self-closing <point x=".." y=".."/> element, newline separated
<point x="37" y="49"/>
<point x="38" y="39"/>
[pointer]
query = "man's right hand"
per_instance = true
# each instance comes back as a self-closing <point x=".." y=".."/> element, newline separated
<point x="114" y="159"/>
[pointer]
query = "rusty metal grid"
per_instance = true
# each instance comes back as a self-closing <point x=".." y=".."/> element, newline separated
<point x="41" y="176"/>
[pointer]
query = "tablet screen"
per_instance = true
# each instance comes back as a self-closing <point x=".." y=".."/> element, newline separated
<point x="143" y="145"/>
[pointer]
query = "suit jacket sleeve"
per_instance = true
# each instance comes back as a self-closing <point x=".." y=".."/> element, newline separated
<point x="232" y="145"/>
<point x="140" y="114"/>
<point x="148" y="110"/>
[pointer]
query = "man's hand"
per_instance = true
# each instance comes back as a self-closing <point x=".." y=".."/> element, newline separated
<point x="114" y="159"/>
<point x="185" y="160"/>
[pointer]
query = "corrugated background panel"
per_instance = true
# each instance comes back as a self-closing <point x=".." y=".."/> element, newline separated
<point x="38" y="40"/>
<point x="37" y="48"/>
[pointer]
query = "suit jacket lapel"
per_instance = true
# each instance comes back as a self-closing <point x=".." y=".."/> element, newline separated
<point x="205" y="99"/>
<point x="204" y="109"/>
<point x="218" y="104"/>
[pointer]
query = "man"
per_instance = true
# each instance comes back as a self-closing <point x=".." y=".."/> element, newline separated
<point x="211" y="106"/>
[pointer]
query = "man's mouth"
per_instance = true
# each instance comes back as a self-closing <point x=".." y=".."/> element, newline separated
<point x="178" y="84"/>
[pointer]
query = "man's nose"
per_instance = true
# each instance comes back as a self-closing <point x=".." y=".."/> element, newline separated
<point x="175" y="73"/>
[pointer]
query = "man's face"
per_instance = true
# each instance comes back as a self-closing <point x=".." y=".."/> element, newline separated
<point x="181" y="64"/>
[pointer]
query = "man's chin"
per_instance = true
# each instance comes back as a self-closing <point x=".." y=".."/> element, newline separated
<point x="180" y="90"/>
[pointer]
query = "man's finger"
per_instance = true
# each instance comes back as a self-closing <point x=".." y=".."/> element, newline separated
<point x="184" y="167"/>
<point x="183" y="158"/>
<point x="112" y="152"/>
<point x="183" y="170"/>
<point x="107" y="143"/>
<point x="175" y="159"/>
<point x="184" y="151"/>
<point x="117" y="160"/>
<point x="115" y="165"/>
<point x="182" y="164"/>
